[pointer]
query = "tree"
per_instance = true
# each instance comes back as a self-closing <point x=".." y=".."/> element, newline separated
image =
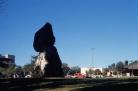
<point x="7" y="71"/>
<point x="33" y="59"/>
<point x="110" y="67"/>
<point x="30" y="66"/>
<point x="113" y="67"/>
<point x="73" y="70"/>
<point x="97" y="72"/>
<point x="105" y="70"/>
<point x="65" y="68"/>
<point x="120" y="66"/>
<point x="76" y="69"/>
<point x="90" y="71"/>
<point x="126" y="63"/>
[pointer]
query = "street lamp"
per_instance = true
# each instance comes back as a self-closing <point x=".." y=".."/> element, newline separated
<point x="132" y="70"/>
<point x="132" y="73"/>
<point x="93" y="49"/>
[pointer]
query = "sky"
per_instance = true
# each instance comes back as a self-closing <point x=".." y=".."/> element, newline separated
<point x="88" y="32"/>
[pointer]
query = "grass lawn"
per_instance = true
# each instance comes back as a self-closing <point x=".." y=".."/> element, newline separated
<point x="61" y="84"/>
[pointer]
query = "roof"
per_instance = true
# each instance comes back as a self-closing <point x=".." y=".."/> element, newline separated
<point x="133" y="65"/>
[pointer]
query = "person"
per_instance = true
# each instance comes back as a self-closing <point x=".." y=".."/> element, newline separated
<point x="44" y="41"/>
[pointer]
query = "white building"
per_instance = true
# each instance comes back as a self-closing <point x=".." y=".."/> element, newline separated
<point x="7" y="59"/>
<point x="84" y="69"/>
<point x="12" y="57"/>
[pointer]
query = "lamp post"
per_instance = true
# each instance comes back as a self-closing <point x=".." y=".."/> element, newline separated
<point x="132" y="70"/>
<point x="93" y="49"/>
<point x="132" y="73"/>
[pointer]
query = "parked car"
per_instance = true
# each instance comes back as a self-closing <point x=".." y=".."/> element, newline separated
<point x="79" y="75"/>
<point x="28" y="76"/>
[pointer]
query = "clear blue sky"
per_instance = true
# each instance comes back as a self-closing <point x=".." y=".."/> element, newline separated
<point x="109" y="26"/>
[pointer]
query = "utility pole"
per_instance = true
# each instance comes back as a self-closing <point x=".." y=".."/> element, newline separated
<point x="93" y="49"/>
<point x="132" y="73"/>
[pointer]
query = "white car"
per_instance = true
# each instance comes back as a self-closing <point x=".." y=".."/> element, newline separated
<point x="28" y="76"/>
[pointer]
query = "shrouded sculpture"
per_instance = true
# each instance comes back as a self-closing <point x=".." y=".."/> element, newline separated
<point x="44" y="41"/>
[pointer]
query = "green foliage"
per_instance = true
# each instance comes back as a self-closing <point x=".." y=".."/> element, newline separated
<point x="126" y="63"/>
<point x="97" y="72"/>
<point x="94" y="72"/>
<point x="105" y="70"/>
<point x="73" y="70"/>
<point x="120" y="66"/>
<point x="76" y="69"/>
<point x="65" y="68"/>
<point x="113" y="66"/>
<point x="8" y="70"/>
<point x="30" y="66"/>
<point x="33" y="59"/>
<point x="90" y="71"/>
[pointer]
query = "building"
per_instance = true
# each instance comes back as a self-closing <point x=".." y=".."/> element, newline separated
<point x="133" y="68"/>
<point x="7" y="60"/>
<point x="85" y="69"/>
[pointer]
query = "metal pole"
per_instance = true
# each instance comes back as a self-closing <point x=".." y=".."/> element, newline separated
<point x="132" y="69"/>
<point x="92" y="49"/>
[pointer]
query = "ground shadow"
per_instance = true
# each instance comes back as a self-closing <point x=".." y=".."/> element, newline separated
<point x="89" y="84"/>
<point x="112" y="85"/>
<point x="28" y="84"/>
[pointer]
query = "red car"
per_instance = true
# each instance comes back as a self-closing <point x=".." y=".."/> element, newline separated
<point x="79" y="75"/>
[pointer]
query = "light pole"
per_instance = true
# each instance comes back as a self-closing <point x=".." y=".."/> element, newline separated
<point x="132" y="69"/>
<point x="132" y="74"/>
<point x="93" y="49"/>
